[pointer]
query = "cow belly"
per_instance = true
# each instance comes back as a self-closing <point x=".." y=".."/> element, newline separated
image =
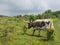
<point x="40" y="28"/>
<point x="43" y="27"/>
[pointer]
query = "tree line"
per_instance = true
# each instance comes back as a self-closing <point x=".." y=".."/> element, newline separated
<point x="47" y="14"/>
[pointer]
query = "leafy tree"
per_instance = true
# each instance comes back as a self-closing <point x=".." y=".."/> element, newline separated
<point x="39" y="16"/>
<point x="32" y="17"/>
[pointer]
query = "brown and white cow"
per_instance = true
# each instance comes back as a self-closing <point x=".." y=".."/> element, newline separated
<point x="41" y="24"/>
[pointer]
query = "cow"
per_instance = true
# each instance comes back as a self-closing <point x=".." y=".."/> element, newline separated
<point x="42" y="24"/>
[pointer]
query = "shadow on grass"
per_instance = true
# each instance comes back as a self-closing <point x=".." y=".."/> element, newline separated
<point x="33" y="35"/>
<point x="41" y="38"/>
<point x="44" y="40"/>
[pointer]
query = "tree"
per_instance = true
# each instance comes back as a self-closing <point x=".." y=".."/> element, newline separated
<point x="47" y="14"/>
<point x="32" y="17"/>
<point x="39" y="16"/>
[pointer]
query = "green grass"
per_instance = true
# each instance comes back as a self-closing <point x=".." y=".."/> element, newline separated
<point x="16" y="36"/>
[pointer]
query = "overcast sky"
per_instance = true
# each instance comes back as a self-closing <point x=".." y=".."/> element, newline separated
<point x="15" y="7"/>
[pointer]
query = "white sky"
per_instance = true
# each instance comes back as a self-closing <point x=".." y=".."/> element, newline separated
<point x="14" y="7"/>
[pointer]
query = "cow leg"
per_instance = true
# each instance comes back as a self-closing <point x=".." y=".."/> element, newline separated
<point x="50" y="35"/>
<point x="39" y="33"/>
<point x="33" y="31"/>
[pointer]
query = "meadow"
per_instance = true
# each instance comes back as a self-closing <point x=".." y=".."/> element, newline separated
<point x="11" y="33"/>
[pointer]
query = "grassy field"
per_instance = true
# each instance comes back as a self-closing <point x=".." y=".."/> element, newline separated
<point x="15" y="34"/>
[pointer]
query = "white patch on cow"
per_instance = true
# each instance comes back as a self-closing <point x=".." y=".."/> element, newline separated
<point x="47" y="26"/>
<point x="45" y="20"/>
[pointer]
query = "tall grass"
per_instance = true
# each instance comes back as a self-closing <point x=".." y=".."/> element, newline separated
<point x="15" y="35"/>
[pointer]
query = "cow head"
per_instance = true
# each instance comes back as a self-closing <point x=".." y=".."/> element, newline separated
<point x="29" y="25"/>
